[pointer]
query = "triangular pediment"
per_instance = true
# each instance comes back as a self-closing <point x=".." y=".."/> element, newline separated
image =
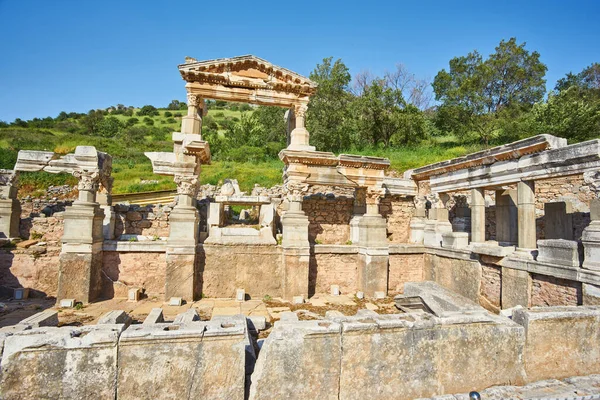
<point x="247" y="72"/>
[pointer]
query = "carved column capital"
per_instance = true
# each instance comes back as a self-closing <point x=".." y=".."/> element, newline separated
<point x="8" y="177"/>
<point x="300" y="110"/>
<point x="193" y="100"/>
<point x="88" y="180"/>
<point x="295" y="191"/>
<point x="187" y="185"/>
<point x="593" y="180"/>
<point x="419" y="201"/>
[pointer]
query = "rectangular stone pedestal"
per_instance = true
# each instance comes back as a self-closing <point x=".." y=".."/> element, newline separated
<point x="296" y="262"/>
<point x="180" y="280"/>
<point x="10" y="215"/>
<point x="80" y="274"/>
<point x="516" y="288"/>
<point x="373" y="270"/>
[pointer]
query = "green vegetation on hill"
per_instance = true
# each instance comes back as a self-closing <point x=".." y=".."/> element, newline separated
<point x="481" y="102"/>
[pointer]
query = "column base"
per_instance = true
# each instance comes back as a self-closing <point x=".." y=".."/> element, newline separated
<point x="525" y="254"/>
<point x="80" y="273"/>
<point x="295" y="229"/>
<point x="417" y="230"/>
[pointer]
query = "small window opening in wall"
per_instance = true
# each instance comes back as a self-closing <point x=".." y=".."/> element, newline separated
<point x="242" y="215"/>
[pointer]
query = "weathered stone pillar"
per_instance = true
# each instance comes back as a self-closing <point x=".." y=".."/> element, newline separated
<point x="360" y="207"/>
<point x="80" y="270"/>
<point x="10" y="208"/>
<point x="184" y="219"/>
<point x="526" y="219"/>
<point x="443" y="224"/>
<point x="296" y="249"/>
<point x="478" y="215"/>
<point x="104" y="198"/>
<point x="192" y="122"/>
<point x="591" y="238"/>
<point x="373" y="250"/>
<point x="417" y="222"/>
<point x="299" y="137"/>
<point x="506" y="217"/>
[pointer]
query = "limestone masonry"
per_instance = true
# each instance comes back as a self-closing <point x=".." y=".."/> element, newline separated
<point x="494" y="259"/>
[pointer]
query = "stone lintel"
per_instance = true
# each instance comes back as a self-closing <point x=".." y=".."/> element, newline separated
<point x="499" y="153"/>
<point x="574" y="159"/>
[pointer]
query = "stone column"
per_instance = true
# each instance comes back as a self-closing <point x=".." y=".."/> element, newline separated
<point x="417" y="222"/>
<point x="359" y="209"/>
<point x="443" y="224"/>
<point x="299" y="139"/>
<point x="591" y="238"/>
<point x="184" y="220"/>
<point x="104" y="197"/>
<point x="296" y="248"/>
<point x="80" y="269"/>
<point x="192" y="122"/>
<point x="373" y="250"/>
<point x="10" y="207"/>
<point x="526" y="219"/>
<point x="478" y="215"/>
<point x="506" y="217"/>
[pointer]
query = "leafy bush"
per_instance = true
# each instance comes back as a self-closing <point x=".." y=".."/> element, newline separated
<point x="168" y="114"/>
<point x="148" y="121"/>
<point x="148" y="111"/>
<point x="132" y="121"/>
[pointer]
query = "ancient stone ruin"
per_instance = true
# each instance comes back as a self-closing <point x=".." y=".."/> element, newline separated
<point x="494" y="256"/>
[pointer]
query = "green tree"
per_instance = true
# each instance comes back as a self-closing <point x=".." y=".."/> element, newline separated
<point x="475" y="91"/>
<point x="272" y="119"/>
<point x="148" y="111"/>
<point x="109" y="127"/>
<point x="248" y="131"/>
<point x="91" y="122"/>
<point x="329" y="117"/>
<point x="573" y="109"/>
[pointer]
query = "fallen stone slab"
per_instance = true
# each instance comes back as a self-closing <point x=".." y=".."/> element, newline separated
<point x="115" y="317"/>
<point x="155" y="316"/>
<point x="198" y="359"/>
<point x="44" y="318"/>
<point x="66" y="362"/>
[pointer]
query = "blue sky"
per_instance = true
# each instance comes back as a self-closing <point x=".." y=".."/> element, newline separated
<point x="80" y="55"/>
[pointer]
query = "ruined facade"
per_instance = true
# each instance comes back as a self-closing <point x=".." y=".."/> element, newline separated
<point x="516" y="225"/>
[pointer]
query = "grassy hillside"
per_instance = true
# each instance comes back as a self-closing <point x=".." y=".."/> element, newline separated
<point x="133" y="172"/>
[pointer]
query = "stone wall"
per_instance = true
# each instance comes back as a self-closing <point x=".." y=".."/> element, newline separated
<point x="125" y="270"/>
<point x="34" y="262"/>
<point x="568" y="188"/>
<point x="184" y="359"/>
<point x="393" y="356"/>
<point x="329" y="218"/>
<point x="224" y="268"/>
<point x="550" y="291"/>
<point x="462" y="276"/>
<point x="491" y="286"/>
<point x="560" y="341"/>
<point x="397" y="210"/>
<point x="328" y="269"/>
<point x="152" y="221"/>
<point x="404" y="268"/>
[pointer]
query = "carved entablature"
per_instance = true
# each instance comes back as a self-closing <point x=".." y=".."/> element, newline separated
<point x="86" y="163"/>
<point x="247" y="79"/>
